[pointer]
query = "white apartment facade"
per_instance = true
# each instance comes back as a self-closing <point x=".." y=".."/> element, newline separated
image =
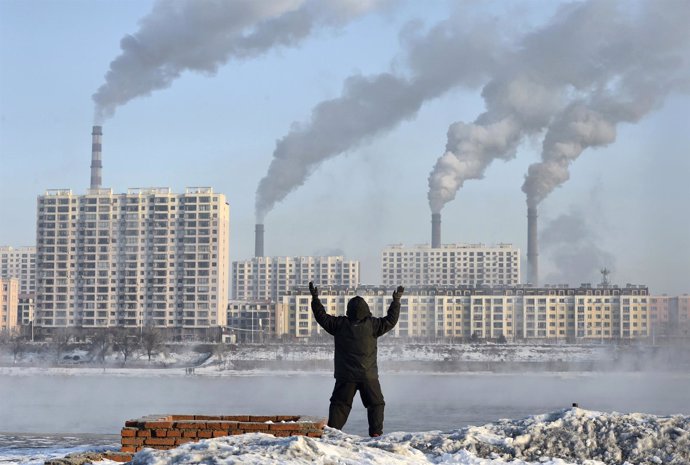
<point x="148" y="257"/>
<point x="9" y="301"/>
<point x="256" y="321"/>
<point x="269" y="278"/>
<point x="20" y="263"/>
<point x="550" y="313"/>
<point x="451" y="265"/>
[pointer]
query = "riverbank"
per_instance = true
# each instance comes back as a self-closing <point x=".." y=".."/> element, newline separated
<point x="396" y="357"/>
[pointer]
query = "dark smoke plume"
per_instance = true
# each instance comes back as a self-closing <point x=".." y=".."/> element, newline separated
<point x="594" y="65"/>
<point x="202" y="35"/>
<point x="574" y="250"/>
<point x="453" y="53"/>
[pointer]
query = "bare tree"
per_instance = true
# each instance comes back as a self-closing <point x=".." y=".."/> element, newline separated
<point x="18" y="346"/>
<point x="61" y="338"/>
<point x="220" y="352"/>
<point x="4" y="337"/>
<point x="101" y="344"/>
<point x="125" y="343"/>
<point x="151" y="341"/>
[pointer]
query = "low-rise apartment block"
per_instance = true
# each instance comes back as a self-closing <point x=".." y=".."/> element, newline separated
<point x="510" y="312"/>
<point x="670" y="315"/>
<point x="256" y="321"/>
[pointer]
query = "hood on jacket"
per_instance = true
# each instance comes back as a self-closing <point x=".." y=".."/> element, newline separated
<point x="357" y="309"/>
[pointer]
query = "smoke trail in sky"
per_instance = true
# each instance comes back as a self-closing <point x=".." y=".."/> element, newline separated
<point x="452" y="53"/>
<point x="574" y="249"/>
<point x="202" y="35"/>
<point x="598" y="64"/>
<point x="657" y="63"/>
<point x="516" y="107"/>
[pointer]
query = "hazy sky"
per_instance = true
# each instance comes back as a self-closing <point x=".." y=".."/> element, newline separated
<point x="233" y="84"/>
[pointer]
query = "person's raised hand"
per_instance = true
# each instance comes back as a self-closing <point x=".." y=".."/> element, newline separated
<point x="313" y="290"/>
<point x="398" y="293"/>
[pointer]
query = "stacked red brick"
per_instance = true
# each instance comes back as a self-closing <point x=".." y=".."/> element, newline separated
<point x="169" y="431"/>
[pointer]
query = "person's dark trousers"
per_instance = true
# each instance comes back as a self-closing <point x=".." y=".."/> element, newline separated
<point x="341" y="403"/>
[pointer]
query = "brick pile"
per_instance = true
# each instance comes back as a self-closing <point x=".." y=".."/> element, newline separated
<point x="169" y="431"/>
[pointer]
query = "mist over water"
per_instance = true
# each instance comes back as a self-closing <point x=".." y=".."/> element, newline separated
<point x="414" y="402"/>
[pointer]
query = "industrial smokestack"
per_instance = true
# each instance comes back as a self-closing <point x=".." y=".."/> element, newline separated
<point x="259" y="240"/>
<point x="96" y="163"/>
<point x="532" y="247"/>
<point x="435" y="230"/>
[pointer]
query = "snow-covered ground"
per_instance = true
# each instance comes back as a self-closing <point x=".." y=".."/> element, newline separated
<point x="440" y="352"/>
<point x="572" y="436"/>
<point x="190" y="355"/>
<point x="39" y="355"/>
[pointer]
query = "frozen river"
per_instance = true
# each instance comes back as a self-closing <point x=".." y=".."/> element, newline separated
<point x="100" y="403"/>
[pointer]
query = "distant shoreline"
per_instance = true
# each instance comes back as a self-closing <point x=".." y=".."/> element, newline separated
<point x="238" y="360"/>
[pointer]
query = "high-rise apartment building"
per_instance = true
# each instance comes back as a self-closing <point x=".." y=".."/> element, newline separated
<point x="514" y="312"/>
<point x="149" y="257"/>
<point x="9" y="301"/>
<point x="451" y="265"/>
<point x="20" y="263"/>
<point x="269" y="278"/>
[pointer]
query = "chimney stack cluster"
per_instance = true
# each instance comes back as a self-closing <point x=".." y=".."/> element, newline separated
<point x="532" y="246"/>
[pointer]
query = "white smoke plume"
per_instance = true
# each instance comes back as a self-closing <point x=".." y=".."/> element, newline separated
<point x="202" y="35"/>
<point x="577" y="128"/>
<point x="599" y="63"/>
<point x="517" y="107"/>
<point x="647" y="53"/>
<point x="453" y="53"/>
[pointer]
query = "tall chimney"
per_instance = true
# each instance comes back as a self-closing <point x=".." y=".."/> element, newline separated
<point x="96" y="163"/>
<point x="532" y="246"/>
<point x="259" y="240"/>
<point x="435" y="230"/>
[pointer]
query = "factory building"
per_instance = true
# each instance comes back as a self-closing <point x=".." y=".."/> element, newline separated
<point x="148" y="257"/>
<point x="451" y="265"/>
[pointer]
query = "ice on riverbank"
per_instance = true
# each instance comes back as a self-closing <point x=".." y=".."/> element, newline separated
<point x="573" y="436"/>
<point x="33" y="449"/>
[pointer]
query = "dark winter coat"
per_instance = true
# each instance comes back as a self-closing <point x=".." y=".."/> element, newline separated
<point x="355" y="337"/>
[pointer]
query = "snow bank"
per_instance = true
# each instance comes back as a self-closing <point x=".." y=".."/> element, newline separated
<point x="572" y="436"/>
<point x="438" y="352"/>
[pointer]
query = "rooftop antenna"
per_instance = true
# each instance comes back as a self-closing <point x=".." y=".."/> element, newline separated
<point x="605" y="272"/>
